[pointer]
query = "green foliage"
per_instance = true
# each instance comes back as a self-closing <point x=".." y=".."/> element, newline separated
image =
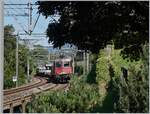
<point x="122" y="96"/>
<point x="8" y="83"/>
<point x="10" y="58"/>
<point x="102" y="67"/>
<point x="39" y="53"/>
<point x="79" y="69"/>
<point x="81" y="97"/>
<point x="93" y="58"/>
<point x="117" y="61"/>
<point x="133" y="95"/>
<point x="91" y="77"/>
<point x="91" y="25"/>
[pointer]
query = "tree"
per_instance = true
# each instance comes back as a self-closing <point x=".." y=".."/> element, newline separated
<point x="133" y="95"/>
<point x="91" y="25"/>
<point x="39" y="53"/>
<point x="9" y="58"/>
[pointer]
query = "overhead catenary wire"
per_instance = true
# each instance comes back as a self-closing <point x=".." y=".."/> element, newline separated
<point x="14" y="8"/>
<point x="17" y="7"/>
<point x="21" y="12"/>
<point x="35" y="22"/>
<point x="18" y="4"/>
<point x="28" y="42"/>
<point x="17" y="20"/>
<point x="19" y="24"/>
<point x="29" y="8"/>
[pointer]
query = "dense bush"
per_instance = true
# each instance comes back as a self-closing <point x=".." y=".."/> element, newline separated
<point x="79" y="70"/>
<point x="91" y="77"/>
<point x="102" y="67"/>
<point x="117" y="62"/>
<point x="125" y="96"/>
<point x="81" y="97"/>
<point x="133" y="94"/>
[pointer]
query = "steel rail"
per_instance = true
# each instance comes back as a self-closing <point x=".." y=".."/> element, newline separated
<point x="28" y="97"/>
<point x="14" y="90"/>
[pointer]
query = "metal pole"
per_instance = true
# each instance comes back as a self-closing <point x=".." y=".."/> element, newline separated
<point x="90" y="65"/>
<point x="30" y="18"/>
<point x="87" y="60"/>
<point x="73" y="64"/>
<point x="29" y="31"/>
<point x="1" y="53"/>
<point x="28" y="68"/>
<point x="49" y="56"/>
<point x="17" y="60"/>
<point x="84" y="62"/>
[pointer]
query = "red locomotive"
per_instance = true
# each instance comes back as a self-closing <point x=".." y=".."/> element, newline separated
<point x="60" y="70"/>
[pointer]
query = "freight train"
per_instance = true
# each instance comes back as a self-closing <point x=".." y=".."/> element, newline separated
<point x="59" y="70"/>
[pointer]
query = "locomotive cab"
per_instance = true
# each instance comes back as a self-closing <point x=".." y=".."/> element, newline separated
<point x="63" y="69"/>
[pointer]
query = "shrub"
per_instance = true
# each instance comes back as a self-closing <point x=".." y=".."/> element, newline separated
<point x="81" y="97"/>
<point x="79" y="70"/>
<point x="117" y="62"/>
<point x="91" y="77"/>
<point x="102" y="67"/>
<point x="133" y="94"/>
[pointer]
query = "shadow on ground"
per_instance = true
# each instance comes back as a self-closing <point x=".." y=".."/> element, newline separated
<point x="91" y="77"/>
<point x="111" y="97"/>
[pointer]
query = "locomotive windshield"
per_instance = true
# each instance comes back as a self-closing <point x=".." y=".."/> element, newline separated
<point x="58" y="64"/>
<point x="66" y="64"/>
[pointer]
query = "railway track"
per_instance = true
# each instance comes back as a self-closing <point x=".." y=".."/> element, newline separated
<point x="16" y="95"/>
<point x="40" y="82"/>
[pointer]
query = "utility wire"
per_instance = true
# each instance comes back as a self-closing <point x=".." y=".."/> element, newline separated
<point x="17" y="20"/>
<point x="14" y="8"/>
<point x="20" y="10"/>
<point x="36" y="22"/>
<point x="19" y="23"/>
<point x="19" y="4"/>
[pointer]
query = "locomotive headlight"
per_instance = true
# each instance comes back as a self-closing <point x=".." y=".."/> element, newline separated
<point x="62" y="73"/>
